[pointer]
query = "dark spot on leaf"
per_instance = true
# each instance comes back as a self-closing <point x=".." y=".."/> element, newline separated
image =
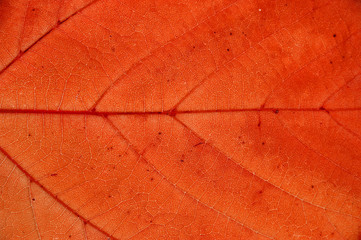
<point x="331" y="62"/>
<point x="110" y="35"/>
<point x="109" y="196"/>
<point x="150" y="221"/>
<point x="151" y="179"/>
<point x="276" y="111"/>
<point x="182" y="160"/>
<point x="194" y="47"/>
<point x="334" y="35"/>
<point x="198" y="144"/>
<point x="147" y="170"/>
<point x="33" y="199"/>
<point x="33" y="9"/>
<point x="312" y="186"/>
<point x="214" y="32"/>
<point x="113" y="49"/>
<point x="69" y="236"/>
<point x="227" y="49"/>
<point x="286" y="5"/>
<point x="159" y="133"/>
<point x="29" y="135"/>
<point x="263" y="143"/>
<point x="260" y="192"/>
<point x="230" y="34"/>
<point x="54" y="174"/>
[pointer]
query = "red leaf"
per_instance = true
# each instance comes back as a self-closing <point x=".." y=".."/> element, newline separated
<point x="180" y="119"/>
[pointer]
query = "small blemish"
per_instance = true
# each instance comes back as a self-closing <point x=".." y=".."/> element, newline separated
<point x="276" y="111"/>
<point x="29" y="135"/>
<point x="198" y="144"/>
<point x="194" y="47"/>
<point x="214" y="32"/>
<point x="110" y="35"/>
<point x="334" y="35"/>
<point x="260" y="192"/>
<point x="151" y="179"/>
<point x="331" y="62"/>
<point x="230" y="33"/>
<point x="182" y="160"/>
<point x="312" y="186"/>
<point x="54" y="174"/>
<point x="33" y="199"/>
<point x="227" y="49"/>
<point x="159" y="133"/>
<point x="113" y="49"/>
<point x="263" y="143"/>
<point x="109" y="196"/>
<point x="33" y="9"/>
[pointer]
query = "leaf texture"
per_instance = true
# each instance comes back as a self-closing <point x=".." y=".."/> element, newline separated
<point x="214" y="119"/>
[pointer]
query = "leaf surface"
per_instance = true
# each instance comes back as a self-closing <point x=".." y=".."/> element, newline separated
<point x="180" y="120"/>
